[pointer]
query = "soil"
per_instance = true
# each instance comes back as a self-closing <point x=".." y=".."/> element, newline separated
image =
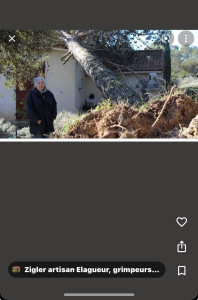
<point x="125" y="121"/>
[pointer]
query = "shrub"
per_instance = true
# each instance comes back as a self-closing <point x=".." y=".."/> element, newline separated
<point x="24" y="133"/>
<point x="188" y="82"/>
<point x="63" y="121"/>
<point x="7" y="130"/>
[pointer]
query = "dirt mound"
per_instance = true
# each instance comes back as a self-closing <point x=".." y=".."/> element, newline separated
<point x="191" y="131"/>
<point x="161" y="119"/>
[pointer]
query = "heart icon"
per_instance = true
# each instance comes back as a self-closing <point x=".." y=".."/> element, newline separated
<point x="181" y="221"/>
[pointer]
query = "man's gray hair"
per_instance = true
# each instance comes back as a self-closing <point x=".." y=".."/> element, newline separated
<point x="36" y="80"/>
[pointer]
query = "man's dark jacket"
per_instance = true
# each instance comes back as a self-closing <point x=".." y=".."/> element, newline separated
<point x="41" y="107"/>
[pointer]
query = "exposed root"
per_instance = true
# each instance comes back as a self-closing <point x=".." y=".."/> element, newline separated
<point x="169" y="118"/>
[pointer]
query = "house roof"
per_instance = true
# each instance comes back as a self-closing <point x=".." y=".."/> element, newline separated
<point x="148" y="60"/>
<point x="60" y="46"/>
<point x="142" y="60"/>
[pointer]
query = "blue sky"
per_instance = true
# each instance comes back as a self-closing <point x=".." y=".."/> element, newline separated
<point x="175" y="43"/>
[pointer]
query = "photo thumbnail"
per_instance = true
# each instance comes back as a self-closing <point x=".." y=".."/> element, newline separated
<point x="66" y="85"/>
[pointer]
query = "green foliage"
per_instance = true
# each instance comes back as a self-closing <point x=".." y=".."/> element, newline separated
<point x="159" y="44"/>
<point x="7" y="129"/>
<point x="167" y="65"/>
<point x="184" y="62"/>
<point x="118" y="45"/>
<point x="105" y="104"/>
<point x="64" y="121"/>
<point x="189" y="81"/>
<point x="22" y="59"/>
<point x="192" y="92"/>
<point x="24" y="133"/>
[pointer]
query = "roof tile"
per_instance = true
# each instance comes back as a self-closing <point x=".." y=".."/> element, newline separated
<point x="148" y="60"/>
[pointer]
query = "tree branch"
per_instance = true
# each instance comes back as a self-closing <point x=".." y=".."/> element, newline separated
<point x="108" y="83"/>
<point x="164" y="106"/>
<point x="85" y="34"/>
<point x="67" y="58"/>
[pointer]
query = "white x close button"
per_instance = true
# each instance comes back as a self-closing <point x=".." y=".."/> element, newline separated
<point x="11" y="38"/>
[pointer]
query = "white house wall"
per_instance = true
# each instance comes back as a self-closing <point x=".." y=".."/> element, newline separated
<point x="80" y="83"/>
<point x="7" y="101"/>
<point x="91" y="88"/>
<point x="60" y="80"/>
<point x="134" y="80"/>
<point x="69" y="84"/>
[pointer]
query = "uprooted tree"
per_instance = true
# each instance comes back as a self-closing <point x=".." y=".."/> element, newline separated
<point x="105" y="79"/>
<point x="95" y="50"/>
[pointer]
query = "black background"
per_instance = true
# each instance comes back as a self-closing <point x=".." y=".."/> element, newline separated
<point x="153" y="14"/>
<point x="98" y="201"/>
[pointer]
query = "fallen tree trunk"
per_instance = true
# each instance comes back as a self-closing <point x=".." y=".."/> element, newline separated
<point x="107" y="82"/>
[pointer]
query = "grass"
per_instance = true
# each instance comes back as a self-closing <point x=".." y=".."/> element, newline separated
<point x="187" y="82"/>
<point x="104" y="104"/>
<point x="65" y="120"/>
<point x="190" y="85"/>
<point x="159" y="97"/>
